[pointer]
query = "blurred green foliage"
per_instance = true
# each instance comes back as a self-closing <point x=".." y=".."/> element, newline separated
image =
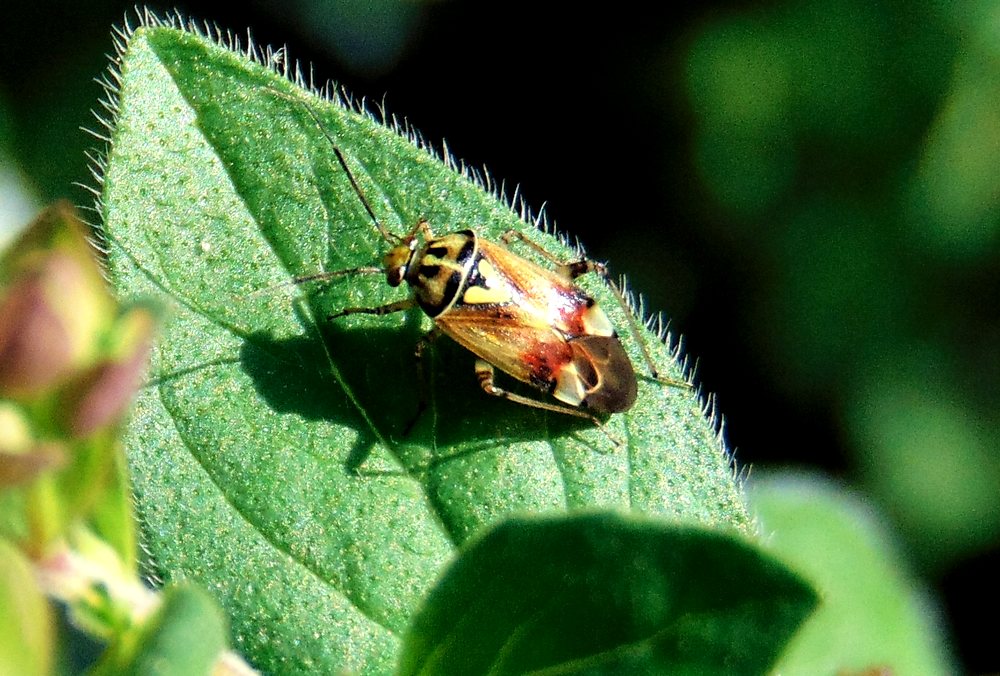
<point x="873" y="617"/>
<point x="369" y="36"/>
<point x="852" y="148"/>
<point x="71" y="360"/>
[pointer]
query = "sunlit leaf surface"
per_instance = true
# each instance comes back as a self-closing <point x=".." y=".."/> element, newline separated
<point x="267" y="451"/>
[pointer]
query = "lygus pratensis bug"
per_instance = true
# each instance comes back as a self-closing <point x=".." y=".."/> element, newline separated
<point x="530" y="322"/>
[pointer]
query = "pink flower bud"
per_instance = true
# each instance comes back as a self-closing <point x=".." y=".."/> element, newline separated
<point x="101" y="396"/>
<point x="35" y="349"/>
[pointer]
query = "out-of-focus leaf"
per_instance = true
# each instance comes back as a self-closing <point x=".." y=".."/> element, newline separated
<point x="955" y="207"/>
<point x="26" y="629"/>
<point x="113" y="519"/>
<point x="871" y="615"/>
<point x="604" y="593"/>
<point x="187" y="635"/>
<point x="69" y="367"/>
<point x="928" y="457"/>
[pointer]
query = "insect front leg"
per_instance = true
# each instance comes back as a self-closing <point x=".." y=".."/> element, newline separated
<point x="422" y="226"/>
<point x="387" y="309"/>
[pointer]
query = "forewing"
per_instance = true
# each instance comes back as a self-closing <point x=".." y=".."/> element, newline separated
<point x="509" y="338"/>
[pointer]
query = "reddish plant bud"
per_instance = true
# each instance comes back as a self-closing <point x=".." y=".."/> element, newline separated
<point x="54" y="306"/>
<point x="101" y="396"/>
<point x="35" y="350"/>
<point x="21" y="468"/>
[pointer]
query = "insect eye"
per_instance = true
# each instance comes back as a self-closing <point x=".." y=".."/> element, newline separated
<point x="396" y="262"/>
<point x="394" y="276"/>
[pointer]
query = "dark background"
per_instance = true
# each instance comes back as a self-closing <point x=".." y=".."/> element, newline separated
<point x="808" y="190"/>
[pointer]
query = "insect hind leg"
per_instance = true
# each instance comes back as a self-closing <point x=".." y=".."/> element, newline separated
<point x="486" y="373"/>
<point x="570" y="270"/>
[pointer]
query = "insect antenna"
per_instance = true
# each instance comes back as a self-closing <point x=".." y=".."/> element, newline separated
<point x="386" y="234"/>
<point x="316" y="277"/>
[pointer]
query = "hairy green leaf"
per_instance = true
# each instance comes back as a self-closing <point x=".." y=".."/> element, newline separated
<point x="267" y="452"/>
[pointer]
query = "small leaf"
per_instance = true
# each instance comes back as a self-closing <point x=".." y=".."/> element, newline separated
<point x="113" y="519"/>
<point x="187" y="635"/>
<point x="26" y="629"/>
<point x="603" y="593"/>
<point x="872" y="616"/>
<point x="267" y="452"/>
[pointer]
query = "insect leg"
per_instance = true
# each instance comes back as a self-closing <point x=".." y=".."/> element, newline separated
<point x="567" y="270"/>
<point x="319" y="277"/>
<point x="386" y="309"/>
<point x="419" y="354"/>
<point x="574" y="269"/>
<point x="570" y="270"/>
<point x="633" y="326"/>
<point x="423" y="226"/>
<point x="485" y="373"/>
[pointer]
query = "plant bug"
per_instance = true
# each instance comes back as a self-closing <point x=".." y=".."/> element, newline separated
<point x="532" y="323"/>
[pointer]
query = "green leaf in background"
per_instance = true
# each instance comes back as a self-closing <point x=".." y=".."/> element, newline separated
<point x="606" y="593"/>
<point x="26" y="627"/>
<point x="852" y="148"/>
<point x="113" y="519"/>
<point x="871" y="615"/>
<point x="185" y="636"/>
<point x="928" y="457"/>
<point x="266" y="452"/>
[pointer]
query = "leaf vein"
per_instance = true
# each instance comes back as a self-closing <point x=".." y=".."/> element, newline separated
<point x="276" y="545"/>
